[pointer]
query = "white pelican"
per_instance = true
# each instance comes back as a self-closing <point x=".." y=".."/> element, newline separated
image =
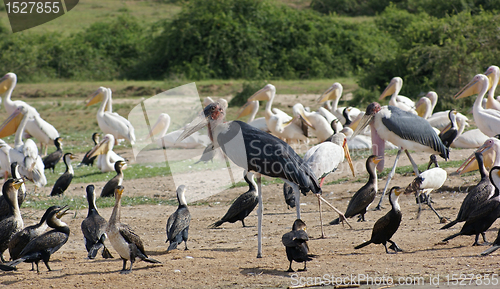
<point x="106" y="156"/>
<point x="36" y="126"/>
<point x="470" y="139"/>
<point x="320" y="126"/>
<point x="252" y="107"/>
<point x="491" y="155"/>
<point x="493" y="74"/>
<point x="333" y="94"/>
<point x="399" y="101"/>
<point x="441" y="119"/>
<point x="487" y="120"/>
<point x="330" y="118"/>
<point x="278" y="122"/>
<point x="4" y="159"/>
<point x="404" y="129"/>
<point x="25" y="154"/>
<point x="164" y="140"/>
<point x="110" y="122"/>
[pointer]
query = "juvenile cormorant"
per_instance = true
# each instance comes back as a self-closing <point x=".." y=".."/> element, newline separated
<point x="65" y="179"/>
<point x="386" y="226"/>
<point x="23" y="237"/>
<point x="43" y="246"/>
<point x="21" y="193"/>
<point x="87" y="160"/>
<point x="94" y="228"/>
<point x="423" y="185"/>
<point x="51" y="160"/>
<point x="128" y="244"/>
<point x="363" y="198"/>
<point x="242" y="206"/>
<point x="109" y="188"/>
<point x="485" y="214"/>
<point x="178" y="222"/>
<point x="296" y="246"/>
<point x="476" y="196"/>
<point x="14" y="222"/>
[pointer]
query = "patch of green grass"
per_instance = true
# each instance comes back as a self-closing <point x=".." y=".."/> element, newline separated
<point x="339" y="181"/>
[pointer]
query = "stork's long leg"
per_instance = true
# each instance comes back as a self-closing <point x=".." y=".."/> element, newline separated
<point x="260" y="212"/>
<point x="389" y="177"/>
<point x="323" y="236"/>
<point x="415" y="167"/>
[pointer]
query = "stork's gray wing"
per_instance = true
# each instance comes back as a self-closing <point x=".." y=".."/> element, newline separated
<point x="412" y="127"/>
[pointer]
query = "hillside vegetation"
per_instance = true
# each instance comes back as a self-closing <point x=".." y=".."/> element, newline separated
<point x="431" y="49"/>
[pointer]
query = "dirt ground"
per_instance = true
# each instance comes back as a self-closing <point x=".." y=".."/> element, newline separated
<point x="226" y="257"/>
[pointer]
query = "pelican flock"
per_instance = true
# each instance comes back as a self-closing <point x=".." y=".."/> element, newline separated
<point x="264" y="147"/>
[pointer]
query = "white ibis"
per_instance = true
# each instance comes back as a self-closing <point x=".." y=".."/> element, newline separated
<point x="405" y="130"/>
<point x="487" y="120"/>
<point x="36" y="126"/>
<point x="111" y="122"/>
<point x="257" y="151"/>
<point x="334" y="93"/>
<point x="493" y="74"/>
<point x="251" y="108"/>
<point x="423" y="185"/>
<point x="399" y="101"/>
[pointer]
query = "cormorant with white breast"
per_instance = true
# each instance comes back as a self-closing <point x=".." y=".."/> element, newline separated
<point x="21" y="193"/>
<point x="178" y="222"/>
<point x="110" y="187"/>
<point x="94" y="228"/>
<point x="14" y="222"/>
<point x="386" y="226"/>
<point x="296" y="246"/>
<point x="363" y="198"/>
<point x="243" y="205"/>
<point x="19" y="241"/>
<point x="127" y="243"/>
<point x="51" y="160"/>
<point x="42" y="247"/>
<point x="65" y="179"/>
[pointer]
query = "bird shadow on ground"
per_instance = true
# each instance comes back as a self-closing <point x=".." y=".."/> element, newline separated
<point x="222" y="249"/>
<point x="434" y="249"/>
<point x="156" y="253"/>
<point x="259" y="271"/>
<point x="88" y="175"/>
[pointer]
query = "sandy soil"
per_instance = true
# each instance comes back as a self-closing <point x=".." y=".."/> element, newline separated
<point x="226" y="257"/>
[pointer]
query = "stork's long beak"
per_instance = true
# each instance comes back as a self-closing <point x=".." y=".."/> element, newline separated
<point x="95" y="97"/>
<point x="246" y="109"/>
<point x="10" y="125"/>
<point x="198" y="123"/>
<point x="330" y="93"/>
<point x="100" y="149"/>
<point x="348" y="156"/>
<point x="364" y="122"/>
<point x="470" y="89"/>
<point x="262" y="94"/>
<point x="390" y="89"/>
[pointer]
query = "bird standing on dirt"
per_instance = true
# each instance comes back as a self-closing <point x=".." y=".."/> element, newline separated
<point x="94" y="228"/>
<point x="296" y="246"/>
<point x="363" y="198"/>
<point x="385" y="227"/>
<point x="485" y="215"/>
<point x="51" y="160"/>
<point x="14" y="222"/>
<point x="65" y="179"/>
<point x="42" y="247"/>
<point x="127" y="243"/>
<point x="242" y="206"/>
<point x="178" y="222"/>
<point x="21" y="193"/>
<point x="19" y="241"/>
<point x="109" y="188"/>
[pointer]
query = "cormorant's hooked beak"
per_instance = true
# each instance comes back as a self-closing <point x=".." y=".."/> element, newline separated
<point x="398" y="191"/>
<point x="348" y="156"/>
<point x="198" y="123"/>
<point x="62" y="211"/>
<point x="364" y="122"/>
<point x="18" y="183"/>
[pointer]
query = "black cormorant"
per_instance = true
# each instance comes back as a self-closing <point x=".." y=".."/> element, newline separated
<point x="242" y="206"/>
<point x="386" y="226"/>
<point x="363" y="198"/>
<point x="448" y="135"/>
<point x="296" y="246"/>
<point x="14" y="222"/>
<point x="43" y="246"/>
<point x="178" y="222"/>
<point x="128" y="244"/>
<point x="109" y="188"/>
<point x="51" y="160"/>
<point x="87" y="160"/>
<point x="484" y="215"/>
<point x="94" y="228"/>
<point x="65" y="179"/>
